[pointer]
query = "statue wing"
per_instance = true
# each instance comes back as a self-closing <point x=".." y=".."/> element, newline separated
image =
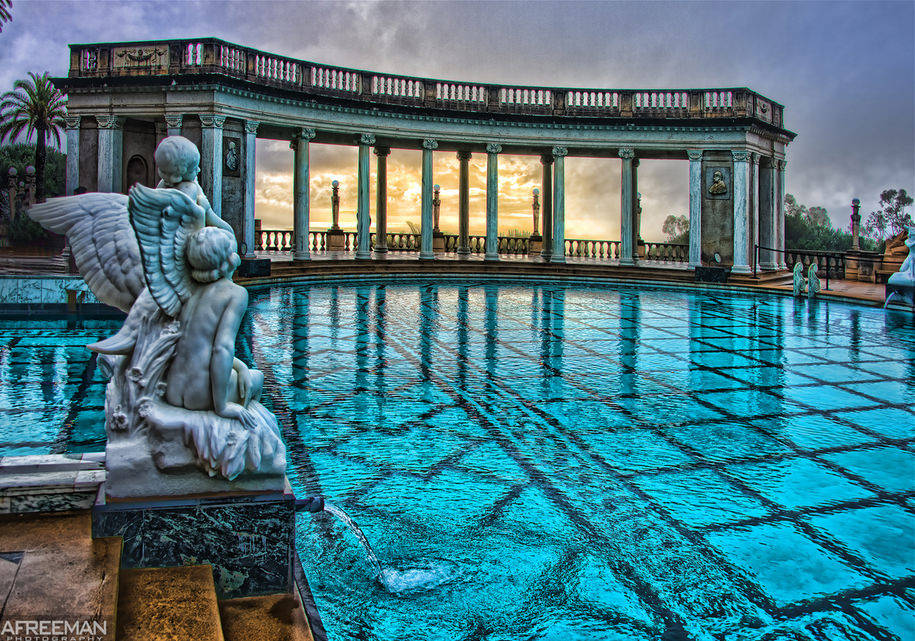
<point x="163" y="219"/>
<point x="103" y="243"/>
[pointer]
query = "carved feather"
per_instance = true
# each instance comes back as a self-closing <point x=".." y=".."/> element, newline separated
<point x="102" y="241"/>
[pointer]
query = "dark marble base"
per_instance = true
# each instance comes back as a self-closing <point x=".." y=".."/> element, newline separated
<point x="251" y="267"/>
<point x="711" y="275"/>
<point x="248" y="538"/>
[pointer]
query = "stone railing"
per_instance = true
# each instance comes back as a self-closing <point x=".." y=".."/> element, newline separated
<point x="667" y="252"/>
<point x="599" y="249"/>
<point x="831" y="263"/>
<point x="212" y="57"/>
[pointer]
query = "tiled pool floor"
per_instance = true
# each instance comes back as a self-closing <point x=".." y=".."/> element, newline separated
<point x="569" y="462"/>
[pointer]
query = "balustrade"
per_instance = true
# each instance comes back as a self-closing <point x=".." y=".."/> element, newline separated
<point x="599" y="249"/>
<point x="174" y="57"/>
<point x="667" y="252"/>
<point x="832" y="263"/>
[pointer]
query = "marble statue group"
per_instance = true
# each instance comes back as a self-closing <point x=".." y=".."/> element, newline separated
<point x="178" y="400"/>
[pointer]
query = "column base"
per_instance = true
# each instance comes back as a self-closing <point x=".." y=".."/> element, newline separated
<point x="363" y="255"/>
<point x="491" y="257"/>
<point x="381" y="250"/>
<point x="463" y="251"/>
<point x="301" y="256"/>
<point x="427" y="255"/>
<point x="768" y="267"/>
<point x="546" y="255"/>
<point x="627" y="262"/>
<point x="557" y="259"/>
<point x="741" y="269"/>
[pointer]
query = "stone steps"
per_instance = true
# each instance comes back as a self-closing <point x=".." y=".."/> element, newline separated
<point x="168" y="604"/>
<point x="52" y="569"/>
<point x="50" y="483"/>
<point x="275" y="617"/>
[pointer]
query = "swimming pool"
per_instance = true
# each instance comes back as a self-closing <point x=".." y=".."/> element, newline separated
<point x="567" y="462"/>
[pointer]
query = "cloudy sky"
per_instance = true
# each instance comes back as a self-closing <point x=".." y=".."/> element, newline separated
<point x="845" y="72"/>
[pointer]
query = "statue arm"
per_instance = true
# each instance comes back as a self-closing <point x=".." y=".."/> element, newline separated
<point x="212" y="220"/>
<point x="222" y="360"/>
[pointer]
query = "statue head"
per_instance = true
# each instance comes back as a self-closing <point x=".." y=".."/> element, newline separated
<point x="717" y="176"/>
<point x="211" y="253"/>
<point x="177" y="160"/>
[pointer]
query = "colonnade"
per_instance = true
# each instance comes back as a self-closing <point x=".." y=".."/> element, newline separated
<point x="758" y="193"/>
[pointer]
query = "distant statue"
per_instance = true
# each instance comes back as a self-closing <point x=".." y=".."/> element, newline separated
<point x="800" y="283"/>
<point x="718" y="185"/>
<point x="813" y="281"/>
<point x="177" y="395"/>
<point x="900" y="287"/>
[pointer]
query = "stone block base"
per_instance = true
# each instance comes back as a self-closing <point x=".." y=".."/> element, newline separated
<point x="247" y="538"/>
<point x="711" y="274"/>
<point x="251" y="267"/>
<point x="438" y="242"/>
<point x="536" y="245"/>
<point x="335" y="240"/>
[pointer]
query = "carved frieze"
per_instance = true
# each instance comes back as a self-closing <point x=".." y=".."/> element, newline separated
<point x="149" y="59"/>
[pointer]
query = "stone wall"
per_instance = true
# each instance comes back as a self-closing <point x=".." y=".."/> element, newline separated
<point x="717" y="209"/>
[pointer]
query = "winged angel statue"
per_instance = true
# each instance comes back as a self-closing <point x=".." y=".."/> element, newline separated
<point x="176" y="393"/>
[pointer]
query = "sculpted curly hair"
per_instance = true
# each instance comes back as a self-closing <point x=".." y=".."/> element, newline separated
<point x="177" y="154"/>
<point x="211" y="254"/>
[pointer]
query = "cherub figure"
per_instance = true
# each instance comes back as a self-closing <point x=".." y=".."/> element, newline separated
<point x="178" y="164"/>
<point x="177" y="395"/>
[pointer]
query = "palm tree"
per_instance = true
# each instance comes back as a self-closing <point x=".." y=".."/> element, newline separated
<point x="34" y="105"/>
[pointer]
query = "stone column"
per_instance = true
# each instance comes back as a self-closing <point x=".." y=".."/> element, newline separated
<point x="547" y="188"/>
<point x="781" y="165"/>
<point x="381" y="200"/>
<point x="247" y="223"/>
<point x="464" y="204"/>
<point x="363" y="215"/>
<point x="741" y="214"/>
<point x="559" y="206"/>
<point x="301" y="194"/>
<point x="753" y="210"/>
<point x="636" y="210"/>
<point x="627" y="248"/>
<point x="855" y="224"/>
<point x="492" y="201"/>
<point x="110" y="152"/>
<point x="211" y="159"/>
<point x="695" y="207"/>
<point x="72" y="153"/>
<point x="425" y="247"/>
<point x="173" y="124"/>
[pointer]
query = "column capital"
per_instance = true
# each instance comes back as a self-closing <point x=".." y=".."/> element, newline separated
<point x="493" y="148"/>
<point x="627" y="153"/>
<point x="367" y="139"/>
<point x="546" y="159"/>
<point x="173" y="121"/>
<point x="464" y="155"/>
<point x="110" y="122"/>
<point x="212" y="120"/>
<point x="559" y="152"/>
<point x="694" y="154"/>
<point x="381" y="151"/>
<point x="72" y="121"/>
<point x="754" y="158"/>
<point x="251" y="126"/>
<point x="740" y="155"/>
<point x="781" y="164"/>
<point x="305" y="133"/>
<point x="430" y="143"/>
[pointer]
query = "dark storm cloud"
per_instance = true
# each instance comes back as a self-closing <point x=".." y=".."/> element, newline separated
<point x="843" y="70"/>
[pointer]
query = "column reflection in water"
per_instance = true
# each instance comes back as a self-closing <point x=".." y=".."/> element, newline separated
<point x="491" y="293"/>
<point x="855" y="337"/>
<point x="301" y="311"/>
<point x="428" y="328"/>
<point x="334" y="314"/>
<point x="462" y="320"/>
<point x="380" y="339"/>
<point x="552" y="329"/>
<point x="362" y="348"/>
<point x="630" y="324"/>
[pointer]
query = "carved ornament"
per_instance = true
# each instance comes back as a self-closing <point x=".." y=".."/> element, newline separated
<point x="493" y="148"/>
<point x="430" y="143"/>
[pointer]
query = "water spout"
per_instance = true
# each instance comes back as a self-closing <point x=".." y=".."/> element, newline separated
<point x="343" y="516"/>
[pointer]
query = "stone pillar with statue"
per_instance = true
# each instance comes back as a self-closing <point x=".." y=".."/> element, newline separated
<point x="438" y="238"/>
<point x="334" y="235"/>
<point x="536" y="240"/>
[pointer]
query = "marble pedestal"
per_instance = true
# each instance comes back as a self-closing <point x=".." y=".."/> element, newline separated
<point x="335" y="240"/>
<point x="536" y="245"/>
<point x="900" y="293"/>
<point x="248" y="538"/>
<point x="438" y="242"/>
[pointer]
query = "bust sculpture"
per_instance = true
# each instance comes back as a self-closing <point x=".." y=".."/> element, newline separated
<point x="718" y="186"/>
<point x="178" y="401"/>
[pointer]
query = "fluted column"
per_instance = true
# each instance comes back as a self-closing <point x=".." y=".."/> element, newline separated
<point x="695" y="207"/>
<point x="211" y="159"/>
<point x="626" y="221"/>
<point x="492" y="200"/>
<point x="425" y="247"/>
<point x="636" y="210"/>
<point x="173" y="124"/>
<point x="72" y="153"/>
<point x="247" y="223"/>
<point x="381" y="200"/>
<point x="110" y="152"/>
<point x="753" y="210"/>
<point x="741" y="217"/>
<point x="781" y="165"/>
<point x="547" y="187"/>
<point x="301" y="194"/>
<point x="363" y="214"/>
<point x="464" y="204"/>
<point x="559" y="205"/>
<point x="767" y="196"/>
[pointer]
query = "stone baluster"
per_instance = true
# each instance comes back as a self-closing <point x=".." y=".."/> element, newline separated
<point x="300" y="192"/>
<point x="73" y="123"/>
<point x="110" y="152"/>
<point x="626" y="214"/>
<point x="464" y="204"/>
<point x="547" y="186"/>
<point x="211" y="159"/>
<point x="381" y="200"/>
<point x="492" y="201"/>
<point x="425" y="248"/>
<point x="559" y="205"/>
<point x="363" y="215"/>
<point x="741" y="213"/>
<point x="695" y="207"/>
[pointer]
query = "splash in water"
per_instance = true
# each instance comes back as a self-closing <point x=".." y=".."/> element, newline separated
<point x="351" y="524"/>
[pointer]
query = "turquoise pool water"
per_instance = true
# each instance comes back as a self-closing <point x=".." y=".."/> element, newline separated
<point x="552" y="462"/>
